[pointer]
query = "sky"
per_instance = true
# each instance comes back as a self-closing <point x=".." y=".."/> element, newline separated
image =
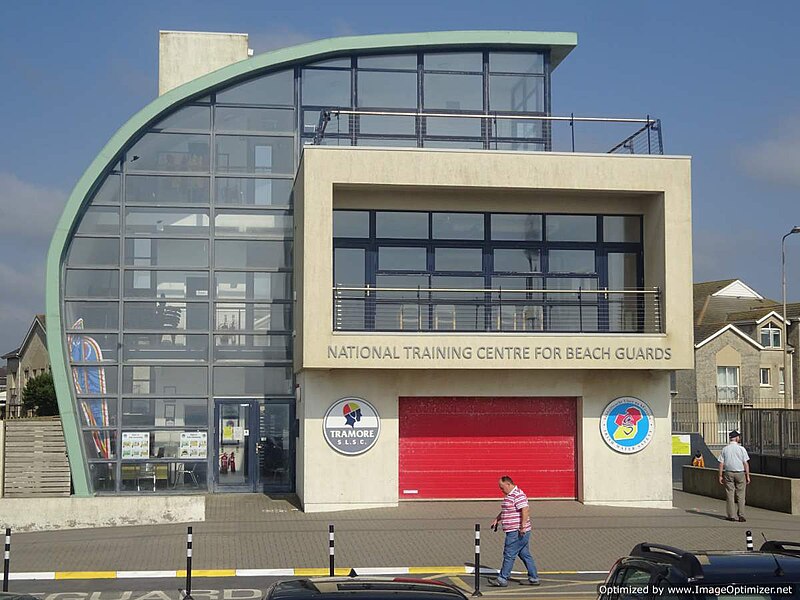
<point x="721" y="75"/>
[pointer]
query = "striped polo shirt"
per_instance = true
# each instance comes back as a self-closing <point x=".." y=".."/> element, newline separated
<point x="513" y="503"/>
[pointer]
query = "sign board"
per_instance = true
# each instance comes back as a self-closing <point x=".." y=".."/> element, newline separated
<point x="681" y="445"/>
<point x="351" y="426"/>
<point x="194" y="444"/>
<point x="135" y="444"/>
<point x="627" y="425"/>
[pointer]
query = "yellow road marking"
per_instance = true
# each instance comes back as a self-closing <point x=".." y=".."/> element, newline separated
<point x="437" y="570"/>
<point x="86" y="574"/>
<point x="342" y="571"/>
<point x="209" y="573"/>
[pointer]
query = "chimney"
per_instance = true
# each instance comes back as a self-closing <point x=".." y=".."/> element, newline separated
<point x="187" y="55"/>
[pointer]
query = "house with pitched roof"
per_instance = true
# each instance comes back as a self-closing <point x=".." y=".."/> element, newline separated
<point x="741" y="341"/>
<point x="25" y="363"/>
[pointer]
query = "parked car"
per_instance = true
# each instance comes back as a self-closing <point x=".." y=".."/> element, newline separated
<point x="362" y="588"/>
<point x="663" y="572"/>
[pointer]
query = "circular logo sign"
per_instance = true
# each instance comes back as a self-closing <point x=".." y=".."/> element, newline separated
<point x="351" y="426"/>
<point x="627" y="424"/>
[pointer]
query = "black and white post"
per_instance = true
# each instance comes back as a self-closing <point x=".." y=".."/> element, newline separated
<point x="331" y="555"/>
<point x="189" y="563"/>
<point x="749" y="539"/>
<point x="477" y="591"/>
<point x="7" y="559"/>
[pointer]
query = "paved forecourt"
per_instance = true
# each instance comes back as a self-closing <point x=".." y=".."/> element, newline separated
<point x="252" y="532"/>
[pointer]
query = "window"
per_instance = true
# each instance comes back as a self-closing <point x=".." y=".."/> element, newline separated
<point x="771" y="336"/>
<point x="728" y="384"/>
<point x="410" y="250"/>
<point x="765" y="378"/>
<point x="273" y="89"/>
<point x="387" y="90"/>
<point x="326" y="88"/>
<point x="673" y="382"/>
<point x="170" y="153"/>
<point x="782" y="380"/>
<point x="253" y="192"/>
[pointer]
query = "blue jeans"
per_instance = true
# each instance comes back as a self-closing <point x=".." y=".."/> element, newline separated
<point x="517" y="545"/>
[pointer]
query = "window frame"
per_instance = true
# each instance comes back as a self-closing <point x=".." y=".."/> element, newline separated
<point x="774" y="336"/>
<point x="372" y="245"/>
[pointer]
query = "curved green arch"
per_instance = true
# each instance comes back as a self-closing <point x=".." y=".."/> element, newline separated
<point x="558" y="43"/>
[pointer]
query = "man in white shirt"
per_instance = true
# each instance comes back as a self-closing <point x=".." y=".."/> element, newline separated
<point x="734" y="474"/>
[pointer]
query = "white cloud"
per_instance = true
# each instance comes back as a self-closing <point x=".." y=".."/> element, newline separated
<point x="777" y="158"/>
<point x="28" y="211"/>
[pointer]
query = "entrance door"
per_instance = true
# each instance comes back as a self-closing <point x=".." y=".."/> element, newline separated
<point x="255" y="446"/>
<point x="236" y="436"/>
<point x="276" y="446"/>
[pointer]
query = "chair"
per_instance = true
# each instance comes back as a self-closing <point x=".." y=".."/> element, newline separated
<point x="444" y="316"/>
<point x="146" y="471"/>
<point x="533" y="318"/>
<point x="182" y="471"/>
<point x="129" y="473"/>
<point x="409" y="317"/>
<point x="162" y="474"/>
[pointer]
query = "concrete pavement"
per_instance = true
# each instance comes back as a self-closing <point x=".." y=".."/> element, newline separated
<point x="256" y="532"/>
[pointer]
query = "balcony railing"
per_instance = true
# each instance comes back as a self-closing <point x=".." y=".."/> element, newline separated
<point x="497" y="131"/>
<point x="734" y="394"/>
<point x="496" y="310"/>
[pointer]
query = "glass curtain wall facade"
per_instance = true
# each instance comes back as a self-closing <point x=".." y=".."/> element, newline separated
<point x="403" y="270"/>
<point x="176" y="284"/>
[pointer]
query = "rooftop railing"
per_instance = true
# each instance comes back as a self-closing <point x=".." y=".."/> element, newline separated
<point x="498" y="131"/>
<point x="496" y="310"/>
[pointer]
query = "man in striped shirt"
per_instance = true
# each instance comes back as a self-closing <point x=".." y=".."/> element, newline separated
<point x="515" y="519"/>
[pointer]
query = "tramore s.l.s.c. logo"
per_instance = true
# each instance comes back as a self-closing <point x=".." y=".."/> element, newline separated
<point x="627" y="424"/>
<point x="351" y="426"/>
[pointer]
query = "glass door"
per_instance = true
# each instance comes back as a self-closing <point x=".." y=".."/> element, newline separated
<point x="235" y="446"/>
<point x="276" y="446"/>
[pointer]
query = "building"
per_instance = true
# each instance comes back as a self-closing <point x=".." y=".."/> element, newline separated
<point x="740" y="347"/>
<point x="3" y="379"/>
<point x="24" y="363"/>
<point x="356" y="270"/>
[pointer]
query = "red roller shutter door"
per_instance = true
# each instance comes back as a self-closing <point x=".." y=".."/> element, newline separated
<point x="459" y="447"/>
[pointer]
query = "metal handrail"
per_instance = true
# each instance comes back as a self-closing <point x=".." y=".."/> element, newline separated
<point x="498" y="290"/>
<point x="648" y="123"/>
<point x="491" y="115"/>
<point x="366" y="308"/>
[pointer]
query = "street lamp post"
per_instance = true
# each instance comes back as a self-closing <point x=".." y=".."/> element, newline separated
<point x="788" y="390"/>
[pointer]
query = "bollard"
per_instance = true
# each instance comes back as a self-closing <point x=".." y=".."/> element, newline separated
<point x="7" y="559"/>
<point x="477" y="591"/>
<point x="749" y="538"/>
<point x="331" y="556"/>
<point x="189" y="563"/>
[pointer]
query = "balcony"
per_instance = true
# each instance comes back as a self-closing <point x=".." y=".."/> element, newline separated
<point x="734" y="394"/>
<point x="493" y="131"/>
<point x="496" y="310"/>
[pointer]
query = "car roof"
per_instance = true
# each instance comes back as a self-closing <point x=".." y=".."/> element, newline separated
<point x="749" y="566"/>
<point x="775" y="562"/>
<point x="373" y="588"/>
